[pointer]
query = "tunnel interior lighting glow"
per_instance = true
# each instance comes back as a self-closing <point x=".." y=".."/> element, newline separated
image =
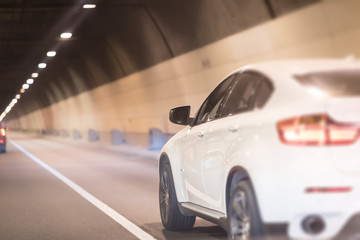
<point x="14" y="100"/>
<point x="34" y="75"/>
<point x="89" y="6"/>
<point x="22" y="90"/>
<point x="8" y="109"/>
<point x="17" y="96"/>
<point x="66" y="35"/>
<point x="42" y="65"/>
<point x="51" y="53"/>
<point x="30" y="81"/>
<point x="25" y="86"/>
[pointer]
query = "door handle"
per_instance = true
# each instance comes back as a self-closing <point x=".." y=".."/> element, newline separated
<point x="233" y="128"/>
<point x="201" y="134"/>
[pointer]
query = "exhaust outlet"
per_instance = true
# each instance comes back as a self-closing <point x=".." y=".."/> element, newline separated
<point x="313" y="225"/>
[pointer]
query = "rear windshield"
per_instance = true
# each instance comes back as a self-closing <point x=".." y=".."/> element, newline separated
<point x="336" y="84"/>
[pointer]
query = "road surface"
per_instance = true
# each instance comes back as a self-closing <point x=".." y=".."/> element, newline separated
<point x="57" y="188"/>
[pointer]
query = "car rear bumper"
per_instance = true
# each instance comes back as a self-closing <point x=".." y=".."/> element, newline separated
<point x="282" y="198"/>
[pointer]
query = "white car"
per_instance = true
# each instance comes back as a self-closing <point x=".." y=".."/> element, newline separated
<point x="275" y="144"/>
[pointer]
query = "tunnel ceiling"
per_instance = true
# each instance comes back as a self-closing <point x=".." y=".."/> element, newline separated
<point x="117" y="38"/>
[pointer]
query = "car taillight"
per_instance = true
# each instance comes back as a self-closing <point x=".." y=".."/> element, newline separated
<point x="317" y="129"/>
<point x="2" y="132"/>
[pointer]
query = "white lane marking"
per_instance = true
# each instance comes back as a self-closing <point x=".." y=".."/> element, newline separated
<point x="131" y="227"/>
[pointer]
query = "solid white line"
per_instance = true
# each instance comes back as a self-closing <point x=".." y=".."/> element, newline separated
<point x="131" y="227"/>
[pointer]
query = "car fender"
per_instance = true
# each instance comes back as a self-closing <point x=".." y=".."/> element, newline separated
<point x="171" y="153"/>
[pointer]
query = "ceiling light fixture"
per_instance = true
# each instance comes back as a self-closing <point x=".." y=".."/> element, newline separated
<point x="51" y="53"/>
<point x="66" y="35"/>
<point x="30" y="81"/>
<point x="17" y="96"/>
<point x="22" y="90"/>
<point x="89" y="6"/>
<point x="34" y="75"/>
<point x="25" y="86"/>
<point x="42" y="65"/>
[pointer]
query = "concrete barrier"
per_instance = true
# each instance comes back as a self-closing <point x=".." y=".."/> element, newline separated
<point x="93" y="136"/>
<point x="64" y="133"/>
<point x="157" y="139"/>
<point x="117" y="137"/>
<point x="76" y="134"/>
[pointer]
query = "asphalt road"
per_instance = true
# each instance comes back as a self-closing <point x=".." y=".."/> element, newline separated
<point x="36" y="204"/>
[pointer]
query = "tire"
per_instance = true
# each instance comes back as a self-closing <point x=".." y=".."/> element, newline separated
<point x="171" y="217"/>
<point x="244" y="219"/>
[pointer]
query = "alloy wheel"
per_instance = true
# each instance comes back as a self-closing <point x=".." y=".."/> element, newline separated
<point x="240" y="219"/>
<point x="164" y="196"/>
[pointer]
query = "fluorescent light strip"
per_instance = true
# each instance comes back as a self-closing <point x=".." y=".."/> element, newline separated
<point x="66" y="35"/>
<point x="42" y="65"/>
<point x="89" y="6"/>
<point x="51" y="54"/>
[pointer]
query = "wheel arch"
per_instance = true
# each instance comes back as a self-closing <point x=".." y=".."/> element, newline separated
<point x="164" y="158"/>
<point x="236" y="174"/>
<point x="174" y="167"/>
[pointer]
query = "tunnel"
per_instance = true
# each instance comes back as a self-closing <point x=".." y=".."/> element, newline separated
<point x="111" y="85"/>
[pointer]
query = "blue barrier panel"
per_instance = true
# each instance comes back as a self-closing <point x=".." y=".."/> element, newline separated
<point x="93" y="135"/>
<point x="117" y="137"/>
<point x="157" y="139"/>
<point x="76" y="134"/>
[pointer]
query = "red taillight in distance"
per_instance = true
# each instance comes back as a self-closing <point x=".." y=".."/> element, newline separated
<point x="316" y="130"/>
<point x="2" y="132"/>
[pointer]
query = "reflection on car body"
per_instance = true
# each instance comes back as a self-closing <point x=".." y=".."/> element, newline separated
<point x="275" y="143"/>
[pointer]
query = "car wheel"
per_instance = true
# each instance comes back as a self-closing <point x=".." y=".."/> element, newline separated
<point x="171" y="217"/>
<point x="243" y="215"/>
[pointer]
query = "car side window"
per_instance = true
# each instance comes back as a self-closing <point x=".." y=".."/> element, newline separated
<point x="210" y="109"/>
<point x="250" y="91"/>
<point x="263" y="93"/>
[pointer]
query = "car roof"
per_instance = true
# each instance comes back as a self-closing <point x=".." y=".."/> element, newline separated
<point x="305" y="66"/>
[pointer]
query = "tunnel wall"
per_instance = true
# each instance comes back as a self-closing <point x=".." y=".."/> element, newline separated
<point x="140" y="101"/>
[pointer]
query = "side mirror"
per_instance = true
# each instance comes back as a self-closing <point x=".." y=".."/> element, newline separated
<point x="180" y="115"/>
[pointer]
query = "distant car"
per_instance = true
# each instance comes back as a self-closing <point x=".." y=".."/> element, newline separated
<point x="2" y="139"/>
<point x="275" y="144"/>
